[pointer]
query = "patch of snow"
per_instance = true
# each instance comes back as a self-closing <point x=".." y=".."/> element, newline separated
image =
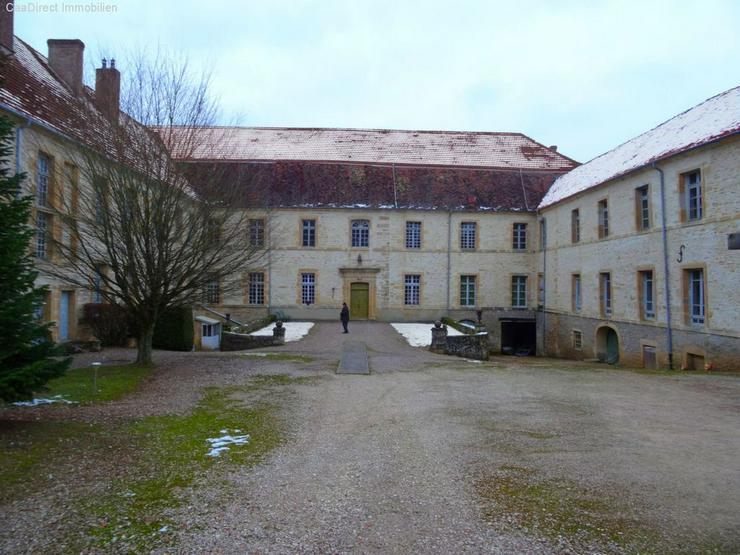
<point x="44" y="401"/>
<point x="472" y="360"/>
<point x="714" y="118"/>
<point x="221" y="444"/>
<point x="420" y="335"/>
<point x="293" y="330"/>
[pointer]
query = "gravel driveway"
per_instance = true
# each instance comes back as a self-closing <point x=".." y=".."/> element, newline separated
<point x="435" y="454"/>
<point x="388" y="463"/>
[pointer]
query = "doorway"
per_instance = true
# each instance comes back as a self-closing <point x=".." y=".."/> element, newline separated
<point x="518" y="337"/>
<point x="607" y="345"/>
<point x="359" y="300"/>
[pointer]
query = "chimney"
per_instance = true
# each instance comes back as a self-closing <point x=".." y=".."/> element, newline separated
<point x="6" y="27"/>
<point x="554" y="148"/>
<point x="108" y="90"/>
<point x="65" y="57"/>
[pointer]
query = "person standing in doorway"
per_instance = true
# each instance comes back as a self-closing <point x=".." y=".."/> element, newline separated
<point x="344" y="317"/>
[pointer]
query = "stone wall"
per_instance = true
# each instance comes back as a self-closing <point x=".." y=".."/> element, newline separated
<point x="468" y="346"/>
<point x="242" y="341"/>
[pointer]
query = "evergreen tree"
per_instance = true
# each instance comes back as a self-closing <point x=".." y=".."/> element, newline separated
<point x="28" y="357"/>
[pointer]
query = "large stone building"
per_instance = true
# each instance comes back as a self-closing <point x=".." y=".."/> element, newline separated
<point x="402" y="225"/>
<point x="415" y="225"/>
<point x="641" y="265"/>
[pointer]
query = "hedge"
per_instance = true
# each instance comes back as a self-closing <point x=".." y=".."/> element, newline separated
<point x="108" y="322"/>
<point x="174" y="329"/>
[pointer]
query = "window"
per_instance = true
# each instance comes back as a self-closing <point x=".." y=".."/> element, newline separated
<point x="519" y="291"/>
<point x="694" y="205"/>
<point x="360" y="233"/>
<point x="41" y="310"/>
<point x="213" y="229"/>
<point x="97" y="296"/>
<point x="412" y="287"/>
<point x="212" y="292"/>
<point x="308" y="288"/>
<point x="42" y="179"/>
<point x="603" y="219"/>
<point x="647" y="295"/>
<point x="520" y="237"/>
<point x="543" y="234"/>
<point x="308" y="233"/>
<point x="605" y="292"/>
<point x="695" y="298"/>
<point x="642" y="200"/>
<point x="576" y="292"/>
<point x="42" y="234"/>
<point x="256" y="288"/>
<point x="467" y="290"/>
<point x="257" y="233"/>
<point x="413" y="235"/>
<point x="467" y="235"/>
<point x="575" y="226"/>
<point x="577" y="340"/>
<point x="209" y="330"/>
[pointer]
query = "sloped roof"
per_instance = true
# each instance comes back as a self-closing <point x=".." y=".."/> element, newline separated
<point x="379" y="146"/>
<point x="713" y="119"/>
<point x="299" y="184"/>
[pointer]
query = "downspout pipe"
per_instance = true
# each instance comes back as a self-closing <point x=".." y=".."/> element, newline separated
<point x="544" y="286"/>
<point x="664" y="232"/>
<point x="449" y="254"/>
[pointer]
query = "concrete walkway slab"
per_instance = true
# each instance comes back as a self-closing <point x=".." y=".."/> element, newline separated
<point x="354" y="358"/>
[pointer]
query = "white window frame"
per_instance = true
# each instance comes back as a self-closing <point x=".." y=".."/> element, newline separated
<point x="308" y="288"/>
<point x="360" y="234"/>
<point x="42" y="179"/>
<point x="413" y="235"/>
<point x="212" y="292"/>
<point x="647" y="280"/>
<point x="468" y="233"/>
<point x="694" y="195"/>
<point x="577" y="293"/>
<point x="519" y="291"/>
<point x="697" y="302"/>
<point x="643" y="205"/>
<point x="467" y="289"/>
<point x="606" y="292"/>
<point x="520" y="236"/>
<point x="603" y="209"/>
<point x="42" y="234"/>
<point x="256" y="292"/>
<point x="412" y="289"/>
<point x="308" y="232"/>
<point x="256" y="232"/>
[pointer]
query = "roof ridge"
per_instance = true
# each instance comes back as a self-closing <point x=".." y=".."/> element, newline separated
<point x="367" y="129"/>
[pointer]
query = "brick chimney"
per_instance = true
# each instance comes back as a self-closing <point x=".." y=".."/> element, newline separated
<point x="6" y="28"/>
<point x="108" y="90"/>
<point x="65" y="58"/>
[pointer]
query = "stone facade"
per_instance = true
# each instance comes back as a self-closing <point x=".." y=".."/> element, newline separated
<point x="628" y="250"/>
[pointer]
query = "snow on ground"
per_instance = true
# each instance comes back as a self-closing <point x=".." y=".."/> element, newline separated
<point x="293" y="330"/>
<point x="44" y="401"/>
<point x="420" y="335"/>
<point x="221" y="444"/>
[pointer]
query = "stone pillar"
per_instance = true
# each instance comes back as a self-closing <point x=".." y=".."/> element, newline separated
<point x="278" y="333"/>
<point x="439" y="338"/>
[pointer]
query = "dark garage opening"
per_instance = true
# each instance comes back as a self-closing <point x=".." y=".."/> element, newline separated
<point x="518" y="337"/>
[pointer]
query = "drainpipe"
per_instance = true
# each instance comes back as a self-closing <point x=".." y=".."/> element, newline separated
<point x="664" y="232"/>
<point x="449" y="247"/>
<point x="544" y="286"/>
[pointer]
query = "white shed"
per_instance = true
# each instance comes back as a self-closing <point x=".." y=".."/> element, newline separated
<point x="207" y="333"/>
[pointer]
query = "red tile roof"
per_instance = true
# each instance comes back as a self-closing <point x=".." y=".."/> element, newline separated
<point x="380" y="146"/>
<point x="331" y="185"/>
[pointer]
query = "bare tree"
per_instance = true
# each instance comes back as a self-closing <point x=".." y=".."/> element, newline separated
<point x="139" y="229"/>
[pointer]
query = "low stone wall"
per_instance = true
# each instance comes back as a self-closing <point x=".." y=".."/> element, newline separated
<point x="468" y="346"/>
<point x="242" y="341"/>
<point x="476" y="346"/>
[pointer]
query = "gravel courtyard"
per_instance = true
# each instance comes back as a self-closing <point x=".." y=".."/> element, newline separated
<point x="428" y="454"/>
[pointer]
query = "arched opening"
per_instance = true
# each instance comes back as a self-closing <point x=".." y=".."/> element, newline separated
<point x="607" y="345"/>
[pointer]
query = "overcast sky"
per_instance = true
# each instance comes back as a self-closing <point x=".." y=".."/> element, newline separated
<point x="584" y="75"/>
